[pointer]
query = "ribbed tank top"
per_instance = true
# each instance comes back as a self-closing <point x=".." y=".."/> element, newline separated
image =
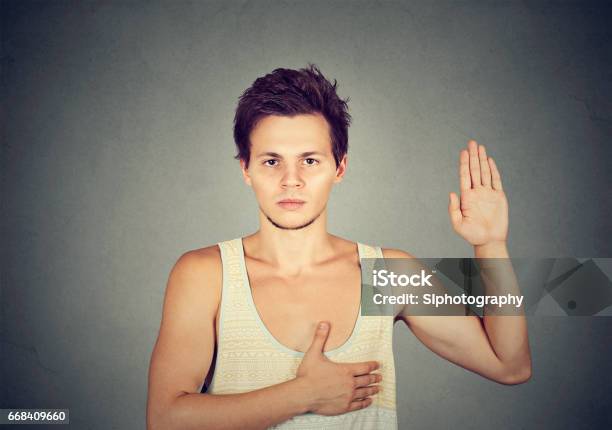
<point x="249" y="357"/>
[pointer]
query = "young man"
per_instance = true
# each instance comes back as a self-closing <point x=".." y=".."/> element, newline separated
<point x="247" y="311"/>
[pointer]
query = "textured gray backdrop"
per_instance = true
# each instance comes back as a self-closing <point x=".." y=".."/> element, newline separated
<point x="117" y="157"/>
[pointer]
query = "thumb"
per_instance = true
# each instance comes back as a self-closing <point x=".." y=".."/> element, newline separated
<point x="320" y="336"/>
<point x="454" y="211"/>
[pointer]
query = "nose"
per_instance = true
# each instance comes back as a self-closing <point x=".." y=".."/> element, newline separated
<point x="291" y="178"/>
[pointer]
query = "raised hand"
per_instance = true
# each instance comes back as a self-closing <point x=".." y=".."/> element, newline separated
<point x="480" y="216"/>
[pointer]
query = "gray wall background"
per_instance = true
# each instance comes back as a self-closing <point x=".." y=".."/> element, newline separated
<point x="117" y="157"/>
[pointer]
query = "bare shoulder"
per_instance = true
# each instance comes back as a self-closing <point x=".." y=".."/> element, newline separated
<point x="349" y="245"/>
<point x="344" y="247"/>
<point x="197" y="277"/>
<point x="185" y="345"/>
<point x="396" y="253"/>
<point x="199" y="261"/>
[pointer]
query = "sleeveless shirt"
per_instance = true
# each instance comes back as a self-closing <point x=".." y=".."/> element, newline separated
<point x="249" y="357"/>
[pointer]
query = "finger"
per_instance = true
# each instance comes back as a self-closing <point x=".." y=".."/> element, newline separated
<point x="361" y="393"/>
<point x="495" y="176"/>
<point x="320" y="336"/>
<point x="454" y="211"/>
<point x="474" y="164"/>
<point x="360" y="404"/>
<point x="363" y="368"/>
<point x="465" y="183"/>
<point x="365" y="380"/>
<point x="485" y="172"/>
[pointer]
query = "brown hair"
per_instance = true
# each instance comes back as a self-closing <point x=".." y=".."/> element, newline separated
<point x="288" y="92"/>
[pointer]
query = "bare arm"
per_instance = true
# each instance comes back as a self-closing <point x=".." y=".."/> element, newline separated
<point x="495" y="347"/>
<point x="507" y="333"/>
<point x="183" y="354"/>
<point x="257" y="409"/>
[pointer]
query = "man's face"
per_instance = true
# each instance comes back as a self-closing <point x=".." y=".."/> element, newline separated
<point x="292" y="168"/>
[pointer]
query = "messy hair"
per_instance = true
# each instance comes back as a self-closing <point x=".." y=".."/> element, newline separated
<point x="288" y="92"/>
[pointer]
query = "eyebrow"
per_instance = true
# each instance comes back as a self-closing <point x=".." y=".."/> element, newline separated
<point x="303" y="154"/>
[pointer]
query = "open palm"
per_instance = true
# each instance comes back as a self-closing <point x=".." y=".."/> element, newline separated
<point x="481" y="215"/>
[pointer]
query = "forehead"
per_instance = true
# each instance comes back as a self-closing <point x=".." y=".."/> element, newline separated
<point x="300" y="133"/>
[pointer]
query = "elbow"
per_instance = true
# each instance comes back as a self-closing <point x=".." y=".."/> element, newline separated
<point x="165" y="415"/>
<point x="518" y="376"/>
<point x="161" y="421"/>
<point x="156" y="421"/>
<point x="158" y="418"/>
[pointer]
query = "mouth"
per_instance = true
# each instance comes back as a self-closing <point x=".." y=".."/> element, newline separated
<point x="291" y="204"/>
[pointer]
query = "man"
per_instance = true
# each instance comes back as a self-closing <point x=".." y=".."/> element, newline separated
<point x="254" y="304"/>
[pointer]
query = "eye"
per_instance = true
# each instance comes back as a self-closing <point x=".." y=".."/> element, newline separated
<point x="311" y="161"/>
<point x="268" y="162"/>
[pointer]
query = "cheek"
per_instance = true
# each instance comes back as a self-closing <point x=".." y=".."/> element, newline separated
<point x="265" y="186"/>
<point x="264" y="177"/>
<point x="321" y="183"/>
<point x="321" y="176"/>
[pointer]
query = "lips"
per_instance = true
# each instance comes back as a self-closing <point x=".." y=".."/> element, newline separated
<point x="291" y="204"/>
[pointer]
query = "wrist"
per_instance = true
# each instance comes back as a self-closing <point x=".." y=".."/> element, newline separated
<point x="494" y="249"/>
<point x="304" y="397"/>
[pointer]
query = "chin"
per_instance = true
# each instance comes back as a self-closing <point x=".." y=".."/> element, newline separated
<point x="291" y="221"/>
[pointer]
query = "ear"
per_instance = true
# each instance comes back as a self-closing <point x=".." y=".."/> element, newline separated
<point x="245" y="173"/>
<point x="341" y="169"/>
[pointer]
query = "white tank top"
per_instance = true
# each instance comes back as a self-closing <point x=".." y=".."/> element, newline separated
<point x="250" y="358"/>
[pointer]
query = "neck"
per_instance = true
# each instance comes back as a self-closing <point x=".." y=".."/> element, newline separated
<point x="291" y="250"/>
